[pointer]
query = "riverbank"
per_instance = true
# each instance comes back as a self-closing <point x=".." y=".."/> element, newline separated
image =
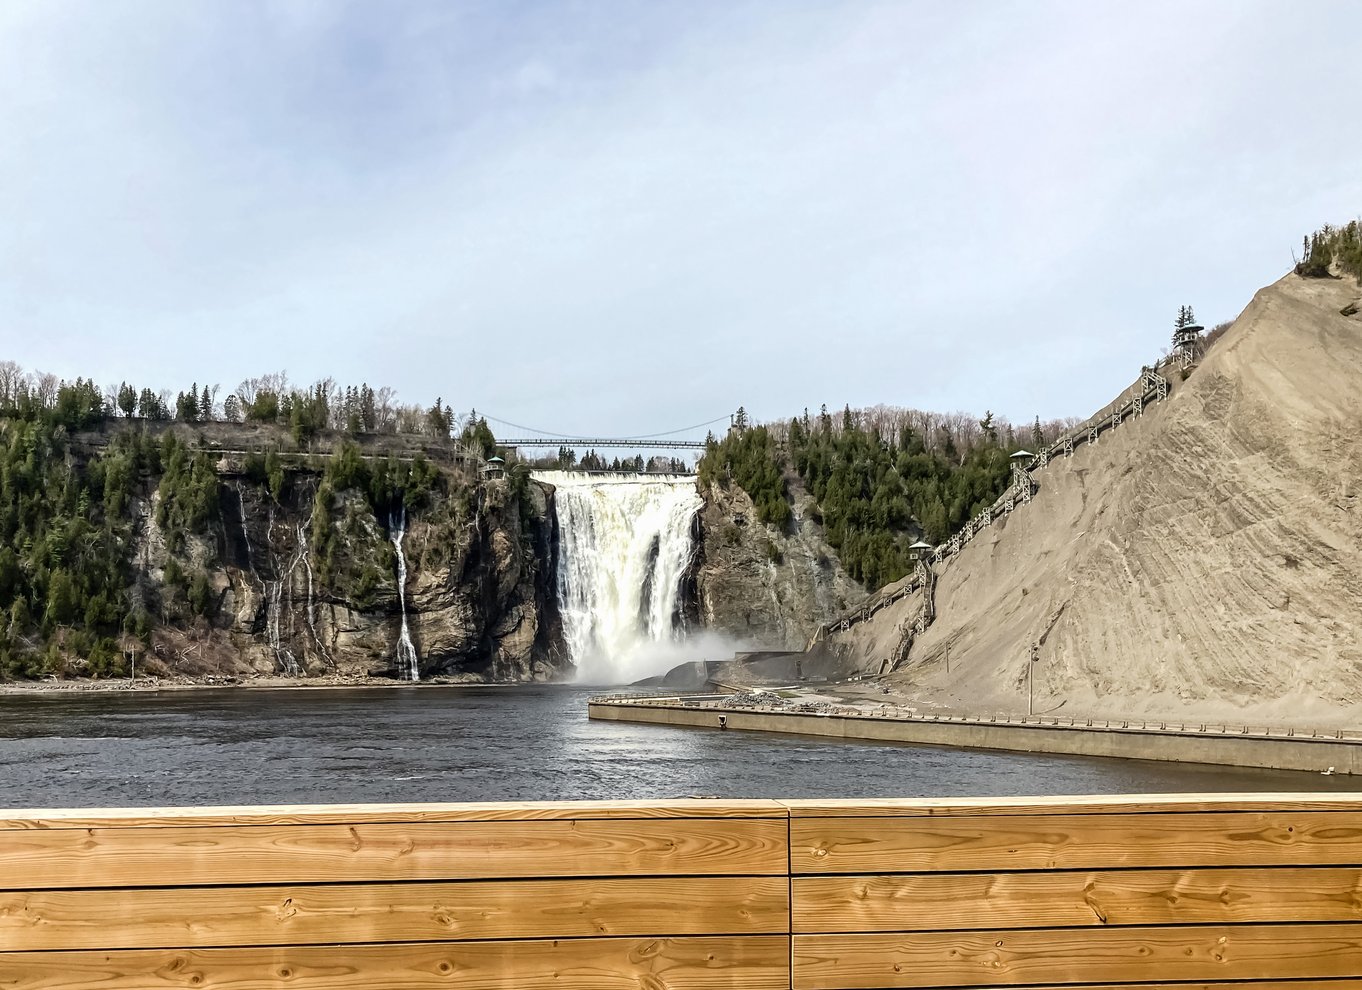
<point x="211" y="682"/>
<point x="1223" y="745"/>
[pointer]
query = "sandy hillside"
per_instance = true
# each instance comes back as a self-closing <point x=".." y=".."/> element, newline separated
<point x="1203" y="561"/>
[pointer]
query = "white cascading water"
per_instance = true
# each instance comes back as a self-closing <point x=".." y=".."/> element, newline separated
<point x="305" y="556"/>
<point x="274" y="608"/>
<point x="407" y="661"/>
<point x="624" y="546"/>
<point x="245" y="534"/>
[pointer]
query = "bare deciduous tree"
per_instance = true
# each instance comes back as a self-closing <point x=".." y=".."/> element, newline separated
<point x="12" y="378"/>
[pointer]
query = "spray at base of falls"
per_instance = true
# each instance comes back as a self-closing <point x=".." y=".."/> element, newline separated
<point x="624" y="547"/>
<point x="408" y="665"/>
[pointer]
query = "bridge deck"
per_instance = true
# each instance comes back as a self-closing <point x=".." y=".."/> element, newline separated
<point x="577" y="443"/>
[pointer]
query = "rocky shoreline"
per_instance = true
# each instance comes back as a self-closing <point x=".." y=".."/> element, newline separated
<point x="219" y="682"/>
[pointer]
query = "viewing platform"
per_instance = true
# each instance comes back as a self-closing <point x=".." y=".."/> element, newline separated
<point x="1245" y="890"/>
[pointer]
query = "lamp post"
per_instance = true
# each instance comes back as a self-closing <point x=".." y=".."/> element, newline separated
<point x="1031" y="680"/>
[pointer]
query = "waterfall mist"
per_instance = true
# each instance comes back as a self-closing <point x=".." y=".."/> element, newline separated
<point x="624" y="546"/>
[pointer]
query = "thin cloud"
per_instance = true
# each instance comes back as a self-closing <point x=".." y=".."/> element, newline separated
<point x="633" y="216"/>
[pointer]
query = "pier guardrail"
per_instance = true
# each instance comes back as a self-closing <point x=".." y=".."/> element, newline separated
<point x="1222" y="890"/>
<point x="1171" y="725"/>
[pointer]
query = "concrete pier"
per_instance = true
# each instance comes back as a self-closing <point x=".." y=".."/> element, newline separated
<point x="1175" y="742"/>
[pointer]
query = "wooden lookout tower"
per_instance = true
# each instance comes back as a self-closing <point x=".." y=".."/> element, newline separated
<point x="1186" y="343"/>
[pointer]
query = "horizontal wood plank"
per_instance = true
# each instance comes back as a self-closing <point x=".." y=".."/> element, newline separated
<point x="66" y="858"/>
<point x="753" y="962"/>
<point x="358" y="814"/>
<point x="1101" y="804"/>
<point x="1049" y="842"/>
<point x="1090" y="955"/>
<point x="301" y="915"/>
<point x="1249" y="985"/>
<point x="942" y="901"/>
<point x="56" y="818"/>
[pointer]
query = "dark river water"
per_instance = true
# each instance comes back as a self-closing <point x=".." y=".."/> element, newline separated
<point x="534" y="743"/>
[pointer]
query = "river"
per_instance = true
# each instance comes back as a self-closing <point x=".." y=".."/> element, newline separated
<point x="253" y="746"/>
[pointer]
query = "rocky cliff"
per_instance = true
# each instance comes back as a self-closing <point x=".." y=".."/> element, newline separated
<point x="766" y="588"/>
<point x="216" y="549"/>
<point x="479" y="594"/>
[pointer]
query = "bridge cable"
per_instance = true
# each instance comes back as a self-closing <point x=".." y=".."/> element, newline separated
<point x="549" y="434"/>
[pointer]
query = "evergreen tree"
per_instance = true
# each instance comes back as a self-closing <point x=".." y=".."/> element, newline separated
<point x="368" y="409"/>
<point x="1185" y="318"/>
<point x="437" y="425"/>
<point x="274" y="473"/>
<point x="479" y="436"/>
<point x="146" y="404"/>
<point x="876" y="494"/>
<point x="127" y="399"/>
<point x="986" y="424"/>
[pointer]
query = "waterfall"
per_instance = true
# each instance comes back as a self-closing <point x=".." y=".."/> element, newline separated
<point x="305" y="556"/>
<point x="245" y="534"/>
<point x="407" y="665"/>
<point x="282" y="653"/>
<point x="624" y="547"/>
<point x="274" y="606"/>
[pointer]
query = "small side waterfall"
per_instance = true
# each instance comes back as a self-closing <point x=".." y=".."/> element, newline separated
<point x="408" y="665"/>
<point x="624" y="547"/>
<point x="245" y="533"/>
<point x="287" y="661"/>
<point x="274" y="607"/>
<point x="305" y="556"/>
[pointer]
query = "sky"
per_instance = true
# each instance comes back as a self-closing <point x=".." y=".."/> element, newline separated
<point x="621" y="218"/>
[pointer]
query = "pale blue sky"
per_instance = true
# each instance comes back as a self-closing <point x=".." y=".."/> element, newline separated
<point x="620" y="217"/>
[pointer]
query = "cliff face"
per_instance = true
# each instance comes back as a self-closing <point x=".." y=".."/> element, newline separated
<point x="479" y="595"/>
<point x="766" y="588"/>
<point x="223" y="558"/>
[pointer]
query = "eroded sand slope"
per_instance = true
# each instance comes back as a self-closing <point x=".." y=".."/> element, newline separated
<point x="1202" y="561"/>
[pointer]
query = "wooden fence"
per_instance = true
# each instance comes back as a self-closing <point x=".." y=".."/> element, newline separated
<point x="1202" y="892"/>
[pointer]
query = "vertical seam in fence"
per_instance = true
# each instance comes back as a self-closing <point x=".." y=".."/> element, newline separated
<point x="789" y="895"/>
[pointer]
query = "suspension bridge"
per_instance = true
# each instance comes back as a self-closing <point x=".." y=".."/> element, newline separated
<point x="589" y="443"/>
<point x="514" y="435"/>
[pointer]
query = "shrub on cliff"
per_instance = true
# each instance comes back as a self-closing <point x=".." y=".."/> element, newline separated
<point x="751" y="458"/>
<point x="65" y="532"/>
<point x="188" y="492"/>
<point x="1332" y="246"/>
<point x="876" y="492"/>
